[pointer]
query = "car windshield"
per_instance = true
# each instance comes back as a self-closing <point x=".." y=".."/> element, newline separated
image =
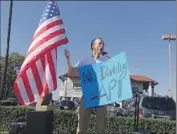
<point x="67" y="103"/>
<point x="158" y="103"/>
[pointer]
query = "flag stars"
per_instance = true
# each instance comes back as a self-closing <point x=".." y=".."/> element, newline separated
<point x="51" y="10"/>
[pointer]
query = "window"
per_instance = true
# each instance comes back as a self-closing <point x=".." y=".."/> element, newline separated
<point x="132" y="105"/>
<point x="134" y="89"/>
<point x="158" y="103"/>
<point x="77" y="85"/>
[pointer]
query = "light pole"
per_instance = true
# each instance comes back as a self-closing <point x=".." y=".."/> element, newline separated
<point x="169" y="38"/>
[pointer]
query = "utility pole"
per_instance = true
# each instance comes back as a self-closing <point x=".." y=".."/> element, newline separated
<point x="7" y="50"/>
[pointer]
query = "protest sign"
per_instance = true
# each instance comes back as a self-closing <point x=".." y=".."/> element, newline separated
<point x="106" y="82"/>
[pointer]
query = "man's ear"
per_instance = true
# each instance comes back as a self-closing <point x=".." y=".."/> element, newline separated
<point x="93" y="46"/>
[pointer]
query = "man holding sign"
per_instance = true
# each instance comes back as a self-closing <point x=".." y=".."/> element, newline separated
<point x="98" y="55"/>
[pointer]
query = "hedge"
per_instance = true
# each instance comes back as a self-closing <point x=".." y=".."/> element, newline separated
<point x="65" y="122"/>
<point x="8" y="103"/>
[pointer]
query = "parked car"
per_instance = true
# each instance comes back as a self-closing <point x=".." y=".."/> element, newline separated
<point x="155" y="107"/>
<point x="114" y="110"/>
<point x="67" y="105"/>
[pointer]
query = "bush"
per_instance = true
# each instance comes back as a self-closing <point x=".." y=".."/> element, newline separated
<point x="9" y="114"/>
<point x="65" y="122"/>
<point x="8" y="103"/>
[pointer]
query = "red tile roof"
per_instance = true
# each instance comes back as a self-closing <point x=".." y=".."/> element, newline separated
<point x="137" y="78"/>
<point x="142" y="79"/>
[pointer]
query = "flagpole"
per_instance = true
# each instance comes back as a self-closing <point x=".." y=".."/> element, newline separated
<point x="2" y="90"/>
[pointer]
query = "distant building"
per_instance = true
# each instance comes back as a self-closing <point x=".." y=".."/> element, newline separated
<point x="71" y="87"/>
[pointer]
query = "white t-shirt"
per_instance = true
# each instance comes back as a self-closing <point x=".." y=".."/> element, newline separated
<point x="89" y="60"/>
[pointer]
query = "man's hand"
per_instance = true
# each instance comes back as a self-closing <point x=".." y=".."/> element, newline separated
<point x="69" y="66"/>
<point x="67" y="54"/>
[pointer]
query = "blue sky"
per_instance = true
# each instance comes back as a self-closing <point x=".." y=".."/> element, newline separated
<point x="134" y="27"/>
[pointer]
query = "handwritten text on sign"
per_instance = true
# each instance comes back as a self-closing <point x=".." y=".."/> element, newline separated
<point x="106" y="82"/>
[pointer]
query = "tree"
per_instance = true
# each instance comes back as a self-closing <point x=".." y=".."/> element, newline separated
<point x="14" y="64"/>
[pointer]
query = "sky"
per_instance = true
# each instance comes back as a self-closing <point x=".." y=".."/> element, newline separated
<point x="133" y="27"/>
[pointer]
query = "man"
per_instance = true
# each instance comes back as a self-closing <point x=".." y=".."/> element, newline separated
<point x="97" y="47"/>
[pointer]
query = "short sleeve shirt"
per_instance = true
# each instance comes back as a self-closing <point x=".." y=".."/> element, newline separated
<point x="89" y="60"/>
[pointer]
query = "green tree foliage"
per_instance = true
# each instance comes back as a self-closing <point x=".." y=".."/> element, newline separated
<point x="14" y="63"/>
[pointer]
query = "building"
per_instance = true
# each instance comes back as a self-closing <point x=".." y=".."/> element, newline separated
<point x="71" y="88"/>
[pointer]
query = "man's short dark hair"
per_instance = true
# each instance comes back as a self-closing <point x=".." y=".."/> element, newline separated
<point x="93" y="41"/>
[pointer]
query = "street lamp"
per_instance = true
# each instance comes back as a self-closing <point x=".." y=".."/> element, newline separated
<point x="169" y="38"/>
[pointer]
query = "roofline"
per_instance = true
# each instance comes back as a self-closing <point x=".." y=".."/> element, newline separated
<point x="154" y="82"/>
<point x="62" y="77"/>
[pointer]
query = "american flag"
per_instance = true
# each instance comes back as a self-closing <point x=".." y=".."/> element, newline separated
<point x="37" y="76"/>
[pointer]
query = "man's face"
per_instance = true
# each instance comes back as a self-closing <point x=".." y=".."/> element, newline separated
<point x="98" y="45"/>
